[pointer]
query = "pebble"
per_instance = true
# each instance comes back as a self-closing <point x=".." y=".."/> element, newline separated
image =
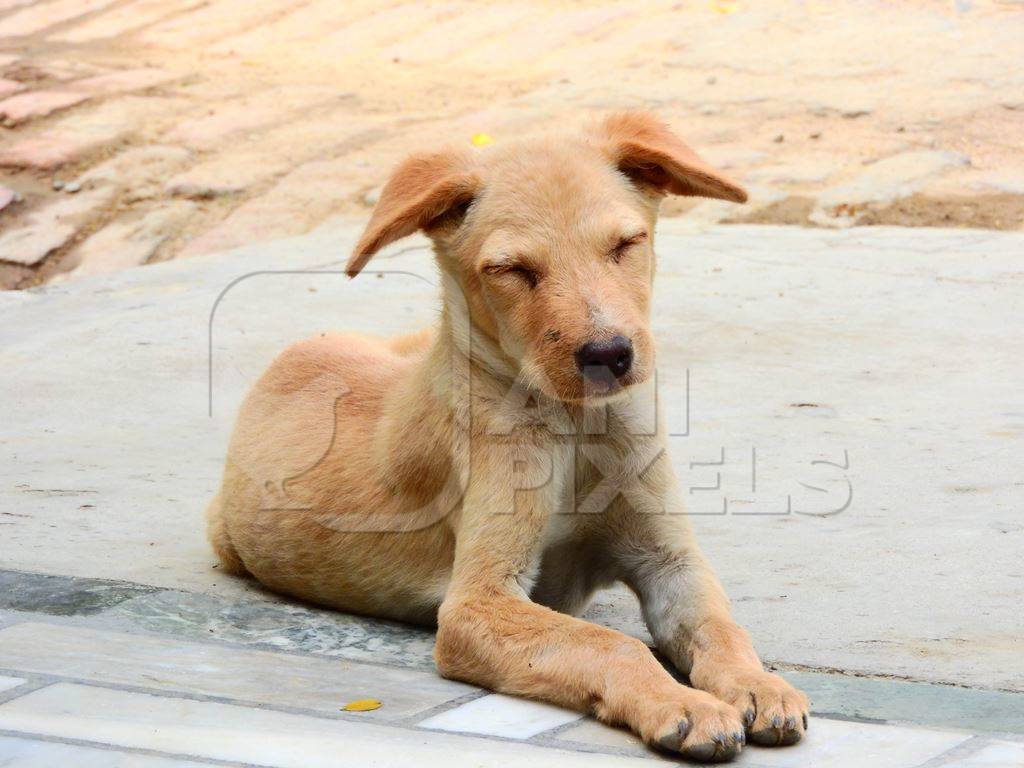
<point x="58" y="184"/>
<point x="72" y="187"/>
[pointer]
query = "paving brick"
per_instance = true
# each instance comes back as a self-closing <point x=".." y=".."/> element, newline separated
<point x="41" y="71"/>
<point x="130" y="242"/>
<point x="49" y="151"/>
<point x="226" y="175"/>
<point x="207" y="132"/>
<point x="454" y="35"/>
<point x="51" y="227"/>
<point x="38" y="17"/>
<point x="212" y="21"/>
<point x="8" y="87"/>
<point x="299" y="201"/>
<point x="543" y="35"/>
<point x="253" y="113"/>
<point x="300" y="24"/>
<point x="140" y="171"/>
<point x="124" y="81"/>
<point x="26" y="106"/>
<point x="118" y="21"/>
<point x="77" y="136"/>
<point x="384" y="27"/>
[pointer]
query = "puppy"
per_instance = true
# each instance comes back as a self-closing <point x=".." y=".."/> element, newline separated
<point x="490" y="475"/>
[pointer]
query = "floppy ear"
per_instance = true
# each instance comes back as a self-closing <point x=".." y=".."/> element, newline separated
<point x="643" y="148"/>
<point x="419" y="191"/>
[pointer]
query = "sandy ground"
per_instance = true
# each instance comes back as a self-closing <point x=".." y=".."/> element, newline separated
<point x="210" y="125"/>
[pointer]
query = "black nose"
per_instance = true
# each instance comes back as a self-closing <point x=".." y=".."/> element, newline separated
<point x="598" y="360"/>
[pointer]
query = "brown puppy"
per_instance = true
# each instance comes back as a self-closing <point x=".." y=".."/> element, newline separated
<point x="491" y="475"/>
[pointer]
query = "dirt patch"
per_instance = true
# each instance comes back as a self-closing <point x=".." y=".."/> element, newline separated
<point x="1002" y="211"/>
<point x="793" y="210"/>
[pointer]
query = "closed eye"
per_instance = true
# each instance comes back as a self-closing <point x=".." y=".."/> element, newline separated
<point x="624" y="244"/>
<point x="513" y="269"/>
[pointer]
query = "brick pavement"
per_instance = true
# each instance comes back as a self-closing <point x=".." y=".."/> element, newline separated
<point x="269" y="118"/>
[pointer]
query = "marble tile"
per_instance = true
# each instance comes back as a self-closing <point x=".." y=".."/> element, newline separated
<point x="227" y="732"/>
<point x="284" y="626"/>
<point x="6" y="683"/>
<point x="829" y="744"/>
<point x="998" y="754"/>
<point x="30" y="753"/>
<point x="170" y="664"/>
<point x="596" y="734"/>
<point x="63" y="595"/>
<point x="937" y="706"/>
<point x="845" y="744"/>
<point x="499" y="715"/>
<point x="261" y="620"/>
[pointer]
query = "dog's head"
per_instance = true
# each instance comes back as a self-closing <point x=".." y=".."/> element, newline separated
<point x="551" y="242"/>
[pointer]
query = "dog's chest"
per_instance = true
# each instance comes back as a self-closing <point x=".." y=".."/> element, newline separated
<point x="558" y="528"/>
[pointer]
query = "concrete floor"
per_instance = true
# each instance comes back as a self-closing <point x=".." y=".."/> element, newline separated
<point x="894" y="356"/>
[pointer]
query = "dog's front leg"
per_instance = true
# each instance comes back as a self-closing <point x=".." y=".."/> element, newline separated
<point x="491" y="634"/>
<point x="688" y="613"/>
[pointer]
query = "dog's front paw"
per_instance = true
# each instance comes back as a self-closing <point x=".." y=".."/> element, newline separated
<point x="774" y="712"/>
<point x="703" y="729"/>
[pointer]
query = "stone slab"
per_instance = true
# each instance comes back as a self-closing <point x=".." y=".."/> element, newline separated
<point x="828" y="744"/>
<point x="51" y="227"/>
<point x="500" y="715"/>
<point x="894" y="352"/>
<point x="253" y="618"/>
<point x="33" y="753"/>
<point x="941" y="706"/>
<point x="6" y="683"/>
<point x="238" y="734"/>
<point x="259" y="677"/>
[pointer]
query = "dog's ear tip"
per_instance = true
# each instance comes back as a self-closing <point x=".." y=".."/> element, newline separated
<point x="354" y="265"/>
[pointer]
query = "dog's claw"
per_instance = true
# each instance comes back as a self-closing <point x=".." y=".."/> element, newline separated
<point x="673" y="742"/>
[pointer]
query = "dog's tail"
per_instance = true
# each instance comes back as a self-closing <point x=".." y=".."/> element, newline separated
<point x="220" y="540"/>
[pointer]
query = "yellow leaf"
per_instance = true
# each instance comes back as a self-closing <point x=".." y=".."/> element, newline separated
<point x="726" y="6"/>
<point x="362" y="705"/>
<point x="481" y="140"/>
